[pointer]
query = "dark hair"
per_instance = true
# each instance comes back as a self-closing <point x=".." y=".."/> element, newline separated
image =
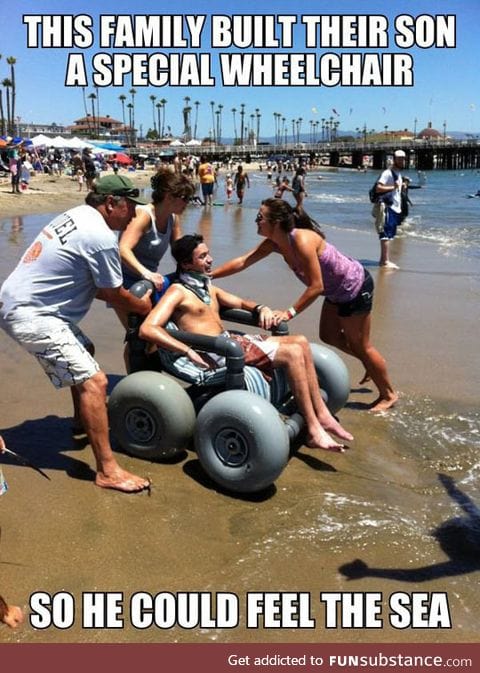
<point x="96" y="200"/>
<point x="165" y="182"/>
<point x="289" y="218"/>
<point x="182" y="249"/>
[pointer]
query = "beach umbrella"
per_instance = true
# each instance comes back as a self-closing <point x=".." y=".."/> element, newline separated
<point x="123" y="159"/>
<point x="40" y="140"/>
<point x="58" y="142"/>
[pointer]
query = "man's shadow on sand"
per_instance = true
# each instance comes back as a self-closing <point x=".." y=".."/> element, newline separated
<point x="43" y="442"/>
<point x="459" y="538"/>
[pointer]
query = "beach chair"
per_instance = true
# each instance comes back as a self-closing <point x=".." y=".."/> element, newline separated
<point x="240" y="425"/>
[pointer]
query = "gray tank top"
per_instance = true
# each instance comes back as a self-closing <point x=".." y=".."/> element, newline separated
<point x="150" y="248"/>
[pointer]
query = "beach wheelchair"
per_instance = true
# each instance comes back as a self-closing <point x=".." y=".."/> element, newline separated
<point x="241" y="425"/>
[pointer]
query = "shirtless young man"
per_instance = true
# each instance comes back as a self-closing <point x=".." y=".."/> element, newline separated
<point x="194" y="305"/>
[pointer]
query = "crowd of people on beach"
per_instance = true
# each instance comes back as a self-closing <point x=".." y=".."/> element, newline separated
<point x="49" y="292"/>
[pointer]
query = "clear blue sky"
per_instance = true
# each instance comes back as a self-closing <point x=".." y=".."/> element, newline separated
<point x="446" y="88"/>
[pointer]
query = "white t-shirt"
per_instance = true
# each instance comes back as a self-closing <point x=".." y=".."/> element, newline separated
<point x="73" y="256"/>
<point x="387" y="178"/>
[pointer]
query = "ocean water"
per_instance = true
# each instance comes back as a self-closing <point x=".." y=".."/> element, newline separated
<point x="442" y="211"/>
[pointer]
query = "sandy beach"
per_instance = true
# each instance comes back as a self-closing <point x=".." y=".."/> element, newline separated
<point x="49" y="194"/>
<point x="322" y="513"/>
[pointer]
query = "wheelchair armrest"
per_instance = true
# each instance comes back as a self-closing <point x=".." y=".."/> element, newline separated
<point x="244" y="317"/>
<point x="220" y="345"/>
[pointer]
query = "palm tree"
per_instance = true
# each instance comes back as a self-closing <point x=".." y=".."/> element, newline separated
<point x="153" y="99"/>
<point x="132" y="93"/>
<point x="11" y="62"/>
<point x="276" y="116"/>
<point x="98" y="111"/>
<point x="186" y="118"/>
<point x="130" y="123"/>
<point x="84" y="96"/>
<point x="258" y="115"/>
<point x="212" y="105"/>
<point x="163" y="101"/>
<point x="196" y="103"/>
<point x="159" y="107"/>
<point x="336" y="124"/>
<point x="242" y="115"/>
<point x="122" y="100"/>
<point x="7" y="84"/>
<point x="219" y="123"/>
<point x="92" y="97"/>
<point x="234" y="111"/>
<point x="2" y="120"/>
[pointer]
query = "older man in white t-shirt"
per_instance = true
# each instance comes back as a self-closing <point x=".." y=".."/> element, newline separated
<point x="73" y="260"/>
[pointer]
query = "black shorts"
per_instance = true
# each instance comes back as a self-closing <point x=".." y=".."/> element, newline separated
<point x="362" y="302"/>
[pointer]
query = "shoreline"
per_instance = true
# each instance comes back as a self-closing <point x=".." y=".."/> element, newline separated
<point x="379" y="502"/>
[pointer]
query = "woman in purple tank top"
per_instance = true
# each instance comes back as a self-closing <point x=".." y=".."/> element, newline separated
<point x="344" y="282"/>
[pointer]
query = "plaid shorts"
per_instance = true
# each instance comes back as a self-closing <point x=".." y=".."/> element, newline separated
<point x="59" y="346"/>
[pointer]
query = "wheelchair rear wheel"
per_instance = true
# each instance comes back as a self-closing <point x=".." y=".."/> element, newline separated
<point x="151" y="416"/>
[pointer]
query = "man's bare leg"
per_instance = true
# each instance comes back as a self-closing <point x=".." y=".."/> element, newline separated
<point x="93" y="414"/>
<point x="290" y="356"/>
<point x="327" y="421"/>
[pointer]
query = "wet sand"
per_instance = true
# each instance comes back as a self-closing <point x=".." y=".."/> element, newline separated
<point x="379" y="502"/>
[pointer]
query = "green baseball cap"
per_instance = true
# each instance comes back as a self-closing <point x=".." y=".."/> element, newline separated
<point x="118" y="185"/>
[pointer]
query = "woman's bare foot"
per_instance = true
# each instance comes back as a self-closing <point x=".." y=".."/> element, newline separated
<point x="121" y="480"/>
<point x="384" y="403"/>
<point x="319" y="439"/>
<point x="13" y="616"/>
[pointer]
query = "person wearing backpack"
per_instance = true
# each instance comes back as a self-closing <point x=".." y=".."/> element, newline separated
<point x="389" y="186"/>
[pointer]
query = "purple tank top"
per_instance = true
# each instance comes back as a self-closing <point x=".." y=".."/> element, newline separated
<point x="342" y="276"/>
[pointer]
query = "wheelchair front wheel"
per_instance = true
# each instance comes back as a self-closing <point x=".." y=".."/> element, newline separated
<point x="241" y="441"/>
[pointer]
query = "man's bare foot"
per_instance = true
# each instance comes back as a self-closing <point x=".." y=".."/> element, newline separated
<point x="330" y="424"/>
<point x="384" y="403"/>
<point x="321" y="440"/>
<point x="13" y="617"/>
<point x="121" y="480"/>
<point x="2" y="444"/>
<point x="389" y="265"/>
